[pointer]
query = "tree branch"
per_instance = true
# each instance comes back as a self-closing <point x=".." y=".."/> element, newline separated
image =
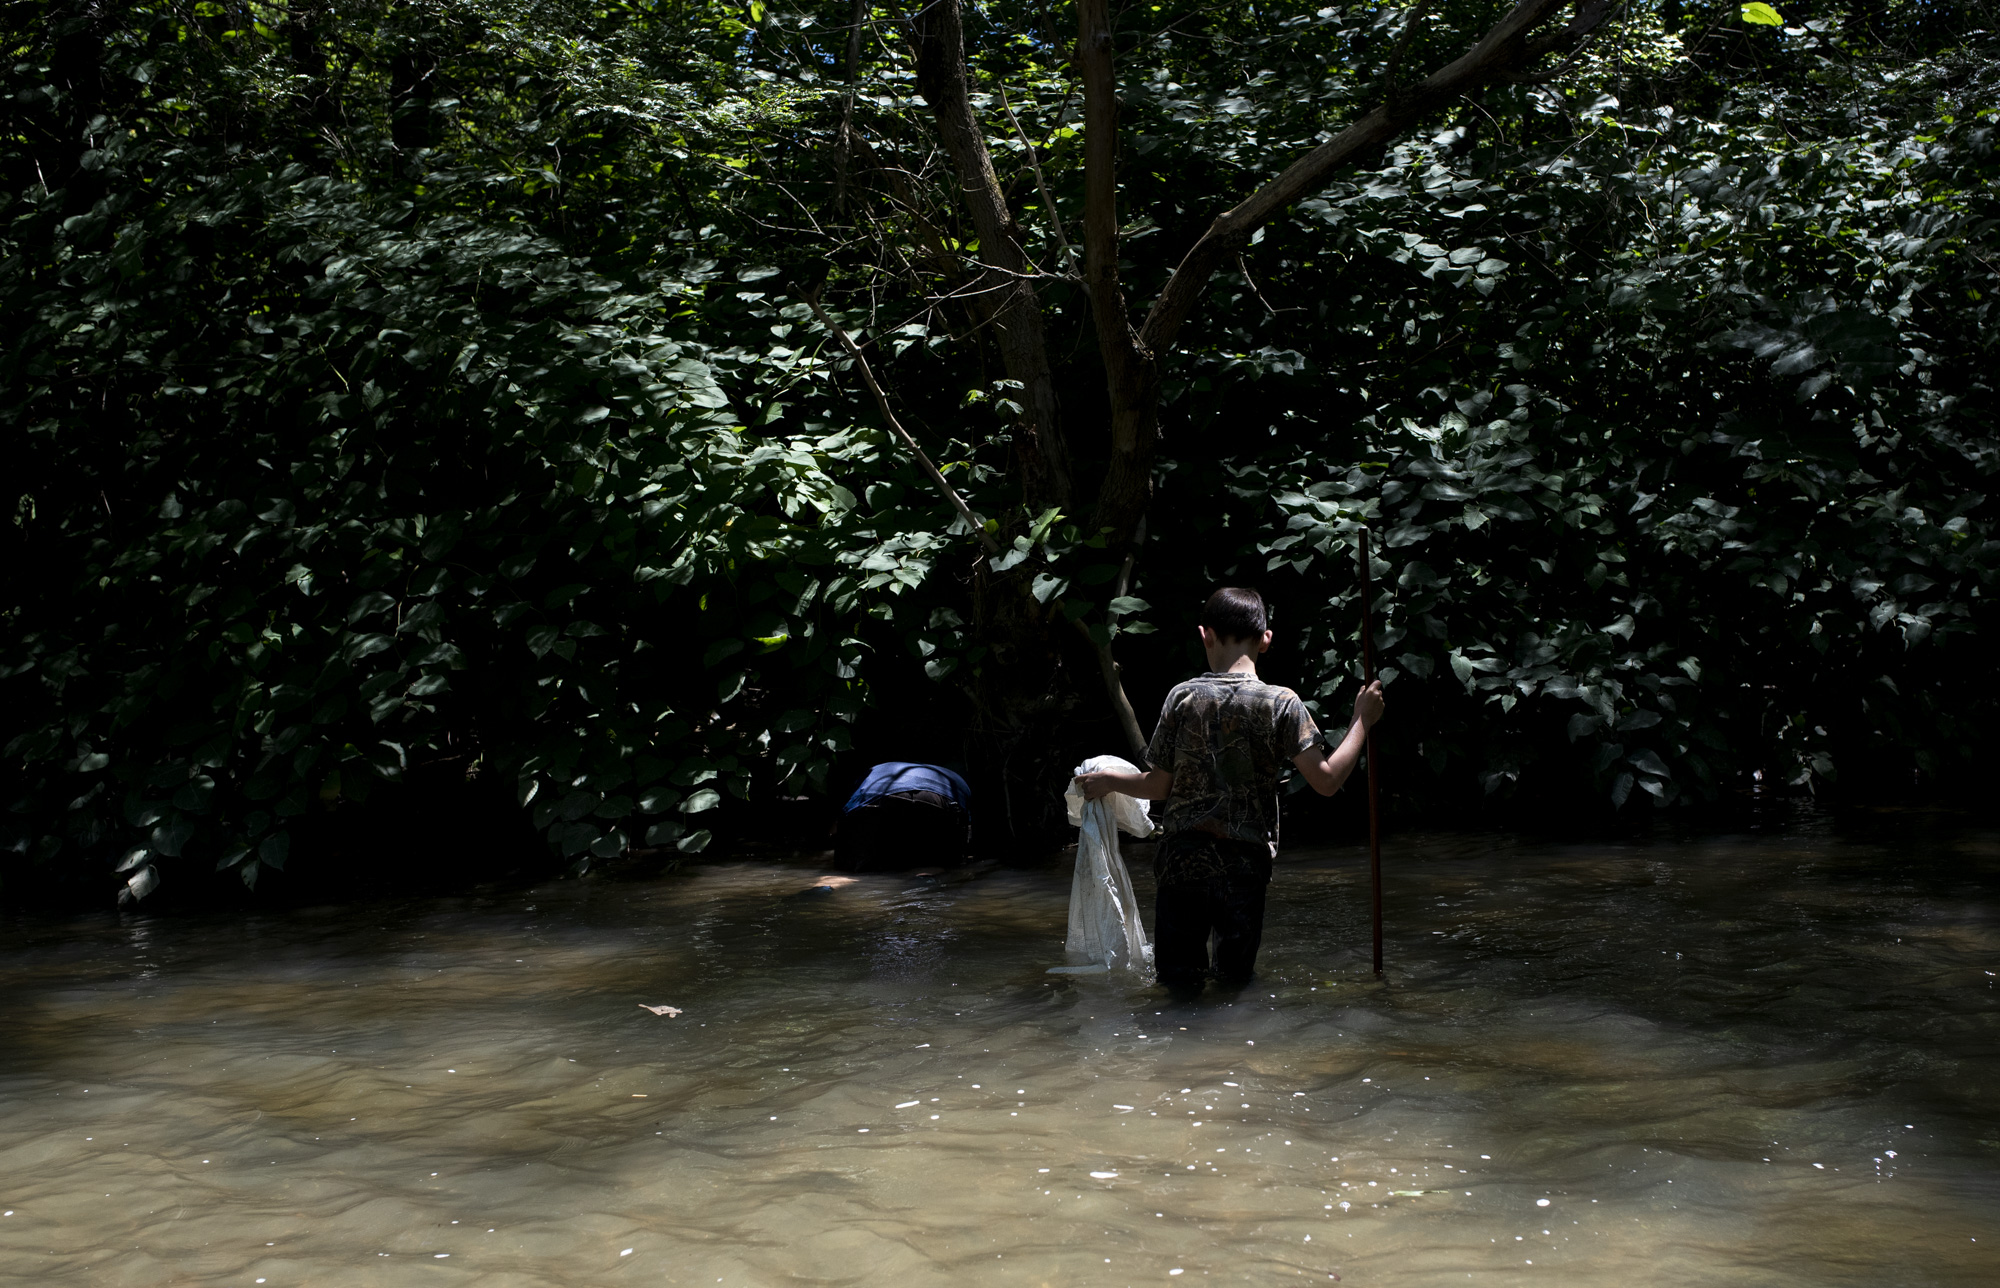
<point x="1041" y="184"/>
<point x="846" y="138"/>
<point x="1125" y="360"/>
<point x="1114" y="679"/>
<point x="937" y="30"/>
<point x="1251" y="282"/>
<point x="937" y="477"/>
<point x="1114" y="687"/>
<point x="1499" y="52"/>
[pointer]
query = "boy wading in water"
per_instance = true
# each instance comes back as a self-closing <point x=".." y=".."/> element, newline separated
<point x="1221" y="746"/>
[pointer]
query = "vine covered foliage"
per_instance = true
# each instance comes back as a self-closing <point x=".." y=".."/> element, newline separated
<point x="397" y="389"/>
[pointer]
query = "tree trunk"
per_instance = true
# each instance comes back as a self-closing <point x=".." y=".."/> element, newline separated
<point x="1131" y="373"/>
<point x="1021" y="690"/>
<point x="1003" y="291"/>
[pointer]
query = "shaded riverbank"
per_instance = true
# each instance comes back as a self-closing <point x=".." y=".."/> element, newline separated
<point x="1759" y="1060"/>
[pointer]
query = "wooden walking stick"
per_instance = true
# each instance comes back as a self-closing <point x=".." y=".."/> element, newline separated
<point x="1374" y="785"/>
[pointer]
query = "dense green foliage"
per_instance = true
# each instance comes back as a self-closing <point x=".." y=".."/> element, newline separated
<point x="329" y="469"/>
<point x="1688" y="465"/>
<point x="399" y="385"/>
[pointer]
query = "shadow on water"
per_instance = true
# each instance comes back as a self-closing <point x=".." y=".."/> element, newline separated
<point x="1756" y="1060"/>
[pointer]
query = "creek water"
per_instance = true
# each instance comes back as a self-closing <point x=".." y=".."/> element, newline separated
<point x="1753" y="1060"/>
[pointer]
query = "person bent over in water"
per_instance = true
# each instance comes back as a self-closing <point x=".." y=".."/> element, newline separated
<point x="905" y="816"/>
<point x="1216" y="757"/>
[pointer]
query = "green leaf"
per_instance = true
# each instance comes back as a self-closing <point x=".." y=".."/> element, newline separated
<point x="168" y="838"/>
<point x="360" y="646"/>
<point x="1761" y="14"/>
<point x="705" y="799"/>
<point x="1649" y="762"/>
<point x="1022" y="548"/>
<point x="1621" y="790"/>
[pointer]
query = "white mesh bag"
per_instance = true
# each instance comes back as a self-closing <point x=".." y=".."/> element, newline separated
<point x="1105" y="932"/>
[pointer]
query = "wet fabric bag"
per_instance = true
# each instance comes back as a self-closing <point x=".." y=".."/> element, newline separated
<point x="1105" y="932"/>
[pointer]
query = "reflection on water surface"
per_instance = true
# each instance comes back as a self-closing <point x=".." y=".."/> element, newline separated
<point x="1764" y="1061"/>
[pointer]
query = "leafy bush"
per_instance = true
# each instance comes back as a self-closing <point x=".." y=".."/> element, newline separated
<point x="433" y="385"/>
<point x="323" y="477"/>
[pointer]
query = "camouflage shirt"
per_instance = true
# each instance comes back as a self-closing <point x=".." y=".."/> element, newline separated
<point x="1226" y="737"/>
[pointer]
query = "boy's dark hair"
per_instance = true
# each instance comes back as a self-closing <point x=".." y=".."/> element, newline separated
<point x="1234" y="613"/>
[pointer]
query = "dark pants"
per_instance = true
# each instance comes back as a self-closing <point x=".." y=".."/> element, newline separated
<point x="1208" y="888"/>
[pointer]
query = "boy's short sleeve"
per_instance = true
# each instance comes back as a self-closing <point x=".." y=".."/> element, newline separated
<point x="1295" y="729"/>
<point x="1160" y="751"/>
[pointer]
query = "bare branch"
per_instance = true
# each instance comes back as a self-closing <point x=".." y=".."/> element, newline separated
<point x="1107" y="665"/>
<point x="1114" y="688"/>
<point x="1251" y="282"/>
<point x="1041" y="184"/>
<point x="943" y="485"/>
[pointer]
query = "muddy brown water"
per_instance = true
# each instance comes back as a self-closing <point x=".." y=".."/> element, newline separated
<point x="1744" y="1061"/>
